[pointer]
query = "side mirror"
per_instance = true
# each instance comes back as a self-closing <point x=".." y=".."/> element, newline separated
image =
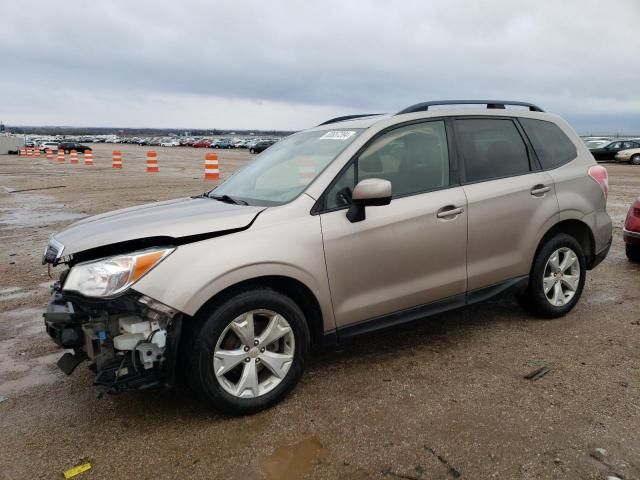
<point x="370" y="192"/>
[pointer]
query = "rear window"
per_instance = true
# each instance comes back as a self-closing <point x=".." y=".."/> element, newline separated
<point x="552" y="146"/>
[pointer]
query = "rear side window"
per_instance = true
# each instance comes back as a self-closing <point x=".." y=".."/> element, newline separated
<point x="491" y="148"/>
<point x="550" y="143"/>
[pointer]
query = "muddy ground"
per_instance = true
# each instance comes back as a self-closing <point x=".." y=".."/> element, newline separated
<point x="444" y="398"/>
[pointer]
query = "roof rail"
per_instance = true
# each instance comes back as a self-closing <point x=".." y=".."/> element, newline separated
<point x="500" y="104"/>
<point x="349" y="117"/>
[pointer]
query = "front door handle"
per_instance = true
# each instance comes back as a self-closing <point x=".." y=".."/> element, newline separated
<point x="540" y="190"/>
<point x="449" y="211"/>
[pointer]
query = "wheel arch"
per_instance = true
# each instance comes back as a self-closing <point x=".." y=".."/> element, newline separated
<point x="576" y="229"/>
<point x="300" y="293"/>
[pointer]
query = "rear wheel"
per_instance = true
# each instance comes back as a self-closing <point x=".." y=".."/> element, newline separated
<point x="633" y="253"/>
<point x="250" y="352"/>
<point x="635" y="160"/>
<point x="557" y="277"/>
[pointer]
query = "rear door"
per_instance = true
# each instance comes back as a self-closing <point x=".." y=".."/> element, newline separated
<point x="511" y="202"/>
<point x="405" y="254"/>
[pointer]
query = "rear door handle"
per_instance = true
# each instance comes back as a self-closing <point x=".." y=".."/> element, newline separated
<point x="449" y="211"/>
<point x="540" y="190"/>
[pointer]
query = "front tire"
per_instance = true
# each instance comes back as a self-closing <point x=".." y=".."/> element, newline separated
<point x="633" y="253"/>
<point x="635" y="160"/>
<point x="557" y="278"/>
<point x="250" y="352"/>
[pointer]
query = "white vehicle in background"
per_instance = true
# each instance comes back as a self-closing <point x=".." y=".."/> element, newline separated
<point x="169" y="143"/>
<point x="49" y="144"/>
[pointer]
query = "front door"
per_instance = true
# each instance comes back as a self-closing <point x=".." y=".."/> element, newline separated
<point x="409" y="253"/>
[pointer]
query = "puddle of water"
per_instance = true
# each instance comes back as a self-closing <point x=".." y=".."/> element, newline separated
<point x="293" y="462"/>
<point x="29" y="210"/>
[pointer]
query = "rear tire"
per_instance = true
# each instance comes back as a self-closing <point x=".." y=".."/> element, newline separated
<point x="633" y="253"/>
<point x="217" y="342"/>
<point x="552" y="291"/>
<point x="635" y="160"/>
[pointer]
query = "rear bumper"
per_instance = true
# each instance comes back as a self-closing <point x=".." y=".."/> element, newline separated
<point x="631" y="238"/>
<point x="600" y="256"/>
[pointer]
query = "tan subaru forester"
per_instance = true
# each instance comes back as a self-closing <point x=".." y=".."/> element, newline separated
<point x="363" y="222"/>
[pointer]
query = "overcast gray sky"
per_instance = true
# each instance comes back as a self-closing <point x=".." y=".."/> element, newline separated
<point x="290" y="65"/>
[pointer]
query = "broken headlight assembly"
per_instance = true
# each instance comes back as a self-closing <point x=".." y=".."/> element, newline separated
<point x="112" y="275"/>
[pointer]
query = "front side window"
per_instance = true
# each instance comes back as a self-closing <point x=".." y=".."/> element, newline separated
<point x="414" y="158"/>
<point x="552" y="146"/>
<point x="491" y="148"/>
<point x="285" y="169"/>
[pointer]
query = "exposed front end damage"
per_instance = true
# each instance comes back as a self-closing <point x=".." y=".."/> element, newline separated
<point x="131" y="342"/>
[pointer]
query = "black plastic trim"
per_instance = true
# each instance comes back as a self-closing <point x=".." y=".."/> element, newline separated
<point x="427" y="310"/>
<point x="344" y="118"/>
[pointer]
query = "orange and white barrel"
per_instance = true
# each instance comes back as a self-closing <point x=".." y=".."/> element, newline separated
<point x="152" y="162"/>
<point x="60" y="155"/>
<point x="23" y="152"/>
<point x="116" y="159"/>
<point x="306" y="170"/>
<point x="211" y="167"/>
<point x="88" y="157"/>
<point x="29" y="152"/>
<point x="36" y="152"/>
<point x="74" y="157"/>
<point x="49" y="153"/>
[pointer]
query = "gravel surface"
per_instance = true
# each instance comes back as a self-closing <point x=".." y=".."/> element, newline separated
<point x="443" y="398"/>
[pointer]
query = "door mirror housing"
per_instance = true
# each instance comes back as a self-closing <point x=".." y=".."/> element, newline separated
<point x="368" y="193"/>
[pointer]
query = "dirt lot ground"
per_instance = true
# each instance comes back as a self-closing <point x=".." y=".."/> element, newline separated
<point x="440" y="399"/>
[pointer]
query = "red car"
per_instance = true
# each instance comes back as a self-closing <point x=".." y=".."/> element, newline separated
<point x="201" y="144"/>
<point x="631" y="232"/>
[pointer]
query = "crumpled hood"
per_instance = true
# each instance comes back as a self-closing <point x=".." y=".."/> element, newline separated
<point x="172" y="218"/>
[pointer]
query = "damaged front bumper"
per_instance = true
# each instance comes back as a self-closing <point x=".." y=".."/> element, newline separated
<point x="131" y="341"/>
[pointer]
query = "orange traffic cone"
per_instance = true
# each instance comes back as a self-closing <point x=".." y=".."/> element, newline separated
<point x="49" y="154"/>
<point x="116" y="159"/>
<point x="74" y="156"/>
<point x="88" y="157"/>
<point x="211" y="168"/>
<point x="36" y="152"/>
<point x="23" y="152"/>
<point x="60" y="155"/>
<point x="29" y="152"/>
<point x="152" y="162"/>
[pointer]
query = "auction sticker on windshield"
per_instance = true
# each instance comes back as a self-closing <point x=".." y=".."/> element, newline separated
<point x="338" y="135"/>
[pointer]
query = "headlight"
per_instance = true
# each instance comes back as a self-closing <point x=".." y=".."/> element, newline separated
<point x="112" y="275"/>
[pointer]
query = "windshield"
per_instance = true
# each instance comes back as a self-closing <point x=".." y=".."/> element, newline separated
<point x="285" y="169"/>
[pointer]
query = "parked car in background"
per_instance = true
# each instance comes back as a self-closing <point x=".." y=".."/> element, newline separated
<point x="49" y="145"/>
<point x="169" y="143"/>
<point x="261" y="146"/>
<point x="631" y="155"/>
<point x="608" y="151"/>
<point x="631" y="232"/>
<point x="351" y="226"/>
<point x="68" y="146"/>
<point x="221" y="143"/>
<point x="201" y="144"/>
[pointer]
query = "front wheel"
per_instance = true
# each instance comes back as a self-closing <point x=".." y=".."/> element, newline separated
<point x="633" y="253"/>
<point x="635" y="160"/>
<point x="557" y="278"/>
<point x="250" y="352"/>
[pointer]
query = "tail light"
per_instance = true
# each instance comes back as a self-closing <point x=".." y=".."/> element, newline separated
<point x="600" y="175"/>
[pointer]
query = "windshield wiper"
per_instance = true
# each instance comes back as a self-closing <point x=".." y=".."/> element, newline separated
<point x="228" y="199"/>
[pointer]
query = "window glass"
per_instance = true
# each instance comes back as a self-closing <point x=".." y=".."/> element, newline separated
<point x="552" y="146"/>
<point x="414" y="159"/>
<point x="491" y="148"/>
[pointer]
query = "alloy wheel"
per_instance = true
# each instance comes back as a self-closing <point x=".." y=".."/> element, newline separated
<point x="561" y="276"/>
<point x="254" y="353"/>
